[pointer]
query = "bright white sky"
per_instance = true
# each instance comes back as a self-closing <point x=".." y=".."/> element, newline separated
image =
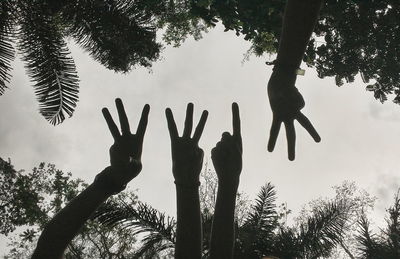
<point x="359" y="135"/>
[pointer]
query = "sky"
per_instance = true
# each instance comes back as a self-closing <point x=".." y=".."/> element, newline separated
<point x="359" y="134"/>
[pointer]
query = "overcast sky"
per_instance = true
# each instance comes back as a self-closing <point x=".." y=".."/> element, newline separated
<point x="359" y="135"/>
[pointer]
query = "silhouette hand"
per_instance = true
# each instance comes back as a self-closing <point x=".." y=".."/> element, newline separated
<point x="187" y="157"/>
<point x="126" y="152"/>
<point x="286" y="103"/>
<point x="227" y="154"/>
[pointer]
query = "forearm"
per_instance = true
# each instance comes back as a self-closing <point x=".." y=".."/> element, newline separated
<point x="222" y="233"/>
<point x="188" y="232"/>
<point x="59" y="232"/>
<point x="298" y="24"/>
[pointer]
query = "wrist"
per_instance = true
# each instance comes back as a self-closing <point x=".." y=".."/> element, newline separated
<point x="187" y="185"/>
<point x="229" y="184"/>
<point x="106" y="183"/>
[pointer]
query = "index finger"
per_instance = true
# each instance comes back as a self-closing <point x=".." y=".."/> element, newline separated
<point x="141" y="129"/>
<point x="235" y="119"/>
<point x="111" y="124"/>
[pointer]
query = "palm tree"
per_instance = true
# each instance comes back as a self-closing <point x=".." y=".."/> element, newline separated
<point x="262" y="233"/>
<point x="156" y="229"/>
<point x="386" y="244"/>
<point x="120" y="34"/>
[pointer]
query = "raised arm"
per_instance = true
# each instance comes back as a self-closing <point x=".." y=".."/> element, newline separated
<point x="125" y="156"/>
<point x="285" y="100"/>
<point x="227" y="160"/>
<point x="187" y="161"/>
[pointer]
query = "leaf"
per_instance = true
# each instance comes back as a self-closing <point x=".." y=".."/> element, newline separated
<point x="117" y="33"/>
<point x="48" y="62"/>
<point x="7" y="52"/>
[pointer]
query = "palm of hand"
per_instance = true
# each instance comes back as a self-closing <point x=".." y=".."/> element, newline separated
<point x="187" y="160"/>
<point x="123" y="156"/>
<point x="187" y="157"/>
<point x="126" y="152"/>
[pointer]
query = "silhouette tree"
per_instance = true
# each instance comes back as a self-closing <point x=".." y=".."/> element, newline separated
<point x="29" y="200"/>
<point x="385" y="244"/>
<point x="120" y="34"/>
<point x="351" y="37"/>
<point x="262" y="232"/>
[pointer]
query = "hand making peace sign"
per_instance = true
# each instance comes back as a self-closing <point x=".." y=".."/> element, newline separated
<point x="187" y="156"/>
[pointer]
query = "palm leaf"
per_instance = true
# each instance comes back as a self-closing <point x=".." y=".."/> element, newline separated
<point x="254" y="237"/>
<point x="323" y="230"/>
<point x="393" y="229"/>
<point x="158" y="229"/>
<point x="286" y="244"/>
<point x="48" y="61"/>
<point x="118" y="34"/>
<point x="263" y="214"/>
<point x="368" y="244"/>
<point x="7" y="52"/>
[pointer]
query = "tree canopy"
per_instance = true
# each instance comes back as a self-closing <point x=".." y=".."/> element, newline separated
<point x="351" y="38"/>
<point x="28" y="200"/>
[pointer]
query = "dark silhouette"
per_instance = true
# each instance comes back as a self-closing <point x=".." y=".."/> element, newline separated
<point x="125" y="159"/>
<point x="187" y="161"/>
<point x="285" y="100"/>
<point x="227" y="160"/>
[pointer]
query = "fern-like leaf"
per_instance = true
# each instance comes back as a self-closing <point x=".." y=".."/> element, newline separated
<point x="48" y="61"/>
<point x="7" y="52"/>
<point x="158" y="229"/>
<point x="323" y="230"/>
<point x="368" y="244"/>
<point x="263" y="216"/>
<point x="256" y="235"/>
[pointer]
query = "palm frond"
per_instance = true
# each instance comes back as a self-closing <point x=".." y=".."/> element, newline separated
<point x="152" y="246"/>
<point x="158" y="229"/>
<point x="118" y="34"/>
<point x="263" y="214"/>
<point x="255" y="235"/>
<point x="368" y="245"/>
<point x="7" y="52"/>
<point x="48" y="61"/>
<point x="393" y="226"/>
<point x="286" y="244"/>
<point x="323" y="230"/>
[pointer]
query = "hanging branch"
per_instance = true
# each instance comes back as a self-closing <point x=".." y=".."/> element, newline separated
<point x="48" y="62"/>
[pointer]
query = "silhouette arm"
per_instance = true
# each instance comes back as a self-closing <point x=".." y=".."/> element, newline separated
<point x="187" y="161"/>
<point x="227" y="160"/>
<point x="285" y="100"/>
<point x="125" y="156"/>
<point x="188" y="231"/>
<point x="59" y="232"/>
<point x="299" y="20"/>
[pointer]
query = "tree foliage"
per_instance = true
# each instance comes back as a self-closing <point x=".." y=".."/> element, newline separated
<point x="350" y="38"/>
<point x="29" y="200"/>
<point x="120" y="34"/>
<point x="262" y="232"/>
<point x="385" y="244"/>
